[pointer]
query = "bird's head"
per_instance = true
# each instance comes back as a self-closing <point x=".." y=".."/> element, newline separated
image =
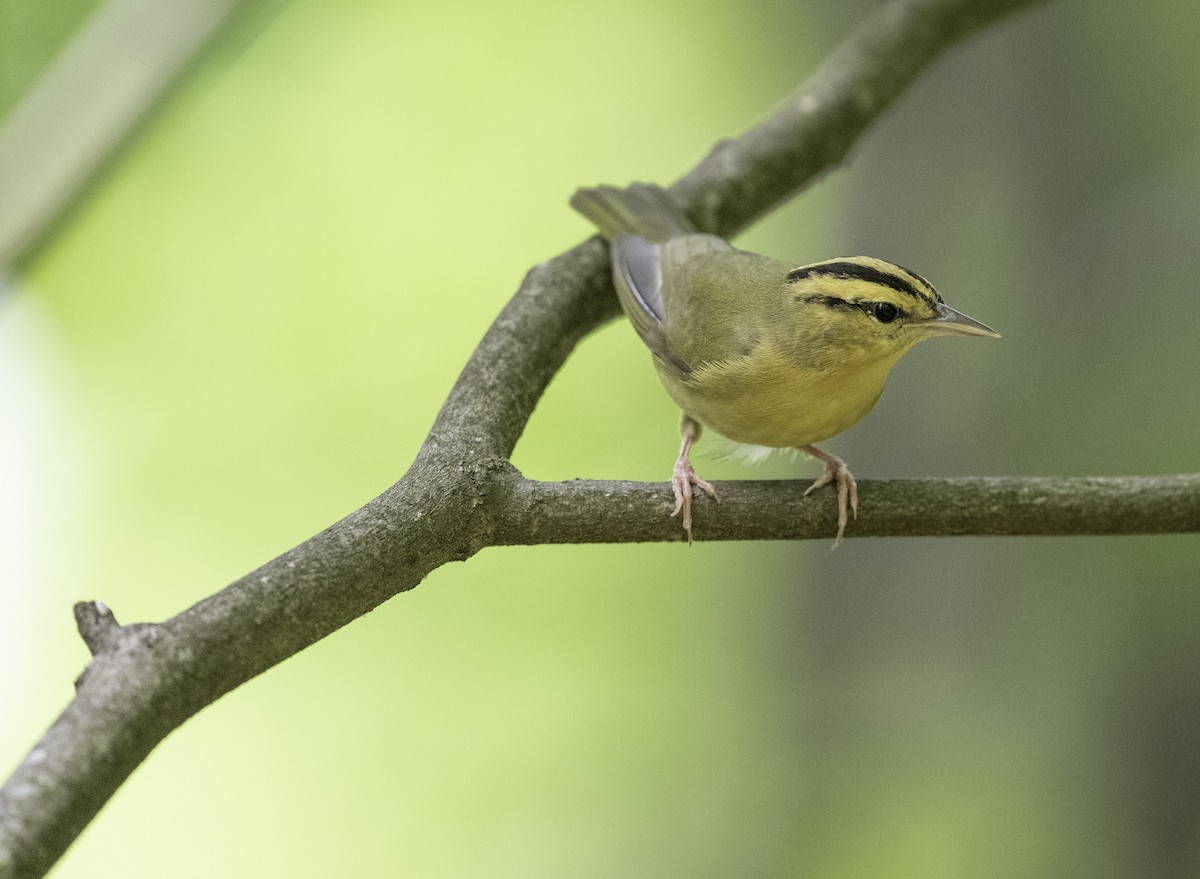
<point x="868" y="308"/>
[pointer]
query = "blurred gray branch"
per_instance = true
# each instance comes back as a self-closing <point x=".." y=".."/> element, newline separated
<point x="462" y="494"/>
<point x="85" y="105"/>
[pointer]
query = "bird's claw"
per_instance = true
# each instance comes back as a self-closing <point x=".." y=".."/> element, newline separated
<point x="685" y="477"/>
<point x="847" y="490"/>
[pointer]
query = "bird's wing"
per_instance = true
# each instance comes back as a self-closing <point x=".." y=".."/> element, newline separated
<point x="643" y="272"/>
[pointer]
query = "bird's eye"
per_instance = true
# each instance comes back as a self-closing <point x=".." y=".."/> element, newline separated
<point x="885" y="312"/>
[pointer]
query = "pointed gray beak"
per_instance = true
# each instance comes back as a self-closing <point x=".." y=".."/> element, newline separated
<point x="951" y="322"/>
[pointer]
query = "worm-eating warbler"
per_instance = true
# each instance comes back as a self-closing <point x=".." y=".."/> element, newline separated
<point x="759" y="350"/>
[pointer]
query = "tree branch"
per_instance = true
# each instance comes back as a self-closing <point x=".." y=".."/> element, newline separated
<point x="626" y="512"/>
<point x="461" y="493"/>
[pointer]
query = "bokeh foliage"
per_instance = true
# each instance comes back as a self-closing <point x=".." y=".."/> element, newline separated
<point x="246" y="330"/>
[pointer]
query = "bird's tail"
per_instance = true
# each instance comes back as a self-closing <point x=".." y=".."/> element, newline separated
<point x="642" y="209"/>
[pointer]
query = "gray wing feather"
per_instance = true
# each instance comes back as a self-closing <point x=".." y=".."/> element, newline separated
<point x="648" y="232"/>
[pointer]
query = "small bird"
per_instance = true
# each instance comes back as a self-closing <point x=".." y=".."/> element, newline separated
<point x="759" y="350"/>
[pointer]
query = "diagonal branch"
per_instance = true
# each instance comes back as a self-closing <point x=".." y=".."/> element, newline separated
<point x="461" y="493"/>
<point x="64" y="130"/>
<point x="740" y="179"/>
<point x="818" y="124"/>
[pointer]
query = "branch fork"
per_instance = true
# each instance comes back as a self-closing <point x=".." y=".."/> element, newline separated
<point x="462" y="493"/>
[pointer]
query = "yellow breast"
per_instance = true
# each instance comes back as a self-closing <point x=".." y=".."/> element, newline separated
<point x="767" y="399"/>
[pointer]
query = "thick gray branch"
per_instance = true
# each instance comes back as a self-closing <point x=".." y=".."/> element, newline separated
<point x="461" y="493"/>
<point x="564" y="299"/>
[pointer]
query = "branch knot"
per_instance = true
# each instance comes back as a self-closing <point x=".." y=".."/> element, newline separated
<point x="97" y="626"/>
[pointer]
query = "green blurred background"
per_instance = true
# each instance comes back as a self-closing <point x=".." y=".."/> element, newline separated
<point x="247" y="327"/>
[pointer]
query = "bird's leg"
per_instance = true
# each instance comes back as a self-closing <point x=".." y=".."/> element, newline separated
<point x="847" y="488"/>
<point x="685" y="477"/>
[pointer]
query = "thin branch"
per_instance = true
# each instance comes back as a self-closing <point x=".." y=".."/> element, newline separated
<point x="625" y="512"/>
<point x="817" y="125"/>
<point x="461" y="493"/>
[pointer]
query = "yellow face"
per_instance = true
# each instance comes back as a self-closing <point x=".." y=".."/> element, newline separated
<point x="865" y="309"/>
